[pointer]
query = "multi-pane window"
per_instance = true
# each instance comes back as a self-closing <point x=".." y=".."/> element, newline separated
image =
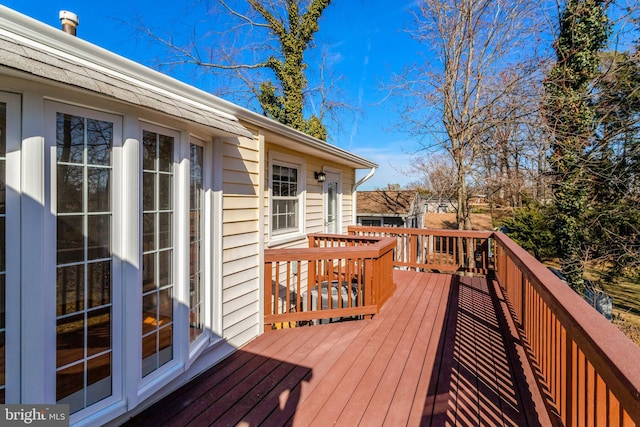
<point x="84" y="307"/>
<point x="196" y="265"/>
<point x="285" y="199"/>
<point x="3" y="273"/>
<point x="158" y="252"/>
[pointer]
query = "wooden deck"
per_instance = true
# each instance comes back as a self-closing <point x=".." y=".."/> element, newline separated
<point x="441" y="352"/>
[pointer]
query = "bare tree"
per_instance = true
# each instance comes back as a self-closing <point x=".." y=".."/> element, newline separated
<point x="437" y="176"/>
<point x="512" y="161"/>
<point x="470" y="44"/>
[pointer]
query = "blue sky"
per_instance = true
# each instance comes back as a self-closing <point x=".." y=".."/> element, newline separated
<point x="365" y="39"/>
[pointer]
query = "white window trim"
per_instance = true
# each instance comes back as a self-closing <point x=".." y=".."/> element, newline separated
<point x="200" y="344"/>
<point x="51" y="108"/>
<point x="148" y="385"/>
<point x="282" y="159"/>
<point x="12" y="257"/>
<point x="215" y="198"/>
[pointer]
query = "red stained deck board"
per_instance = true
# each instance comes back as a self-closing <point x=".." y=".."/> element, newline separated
<point x="395" y="411"/>
<point x="439" y="353"/>
<point x="373" y="395"/>
<point x="333" y="391"/>
<point x="364" y="374"/>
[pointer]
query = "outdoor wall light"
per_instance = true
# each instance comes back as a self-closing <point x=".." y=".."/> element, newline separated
<point x="320" y="176"/>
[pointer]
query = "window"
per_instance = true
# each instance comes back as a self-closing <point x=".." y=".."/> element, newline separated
<point x="371" y="222"/>
<point x="157" y="250"/>
<point x="286" y="199"/>
<point x="3" y="273"/>
<point x="84" y="307"/>
<point x="196" y="243"/>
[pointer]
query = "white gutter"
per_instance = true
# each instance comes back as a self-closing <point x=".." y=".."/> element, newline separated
<point x="91" y="55"/>
<point x="354" y="197"/>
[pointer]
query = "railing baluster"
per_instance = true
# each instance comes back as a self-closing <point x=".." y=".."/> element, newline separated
<point x="576" y="351"/>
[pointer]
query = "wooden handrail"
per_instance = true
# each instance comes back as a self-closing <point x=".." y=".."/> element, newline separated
<point x="339" y="276"/>
<point x="586" y="366"/>
<point x="434" y="249"/>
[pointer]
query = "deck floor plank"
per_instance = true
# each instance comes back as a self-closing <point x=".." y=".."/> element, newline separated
<point x="402" y="366"/>
<point x="363" y="382"/>
<point x="338" y="384"/>
<point x="439" y="353"/>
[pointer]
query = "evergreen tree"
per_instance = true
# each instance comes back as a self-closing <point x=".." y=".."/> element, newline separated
<point x="614" y="222"/>
<point x="286" y="103"/>
<point x="570" y="113"/>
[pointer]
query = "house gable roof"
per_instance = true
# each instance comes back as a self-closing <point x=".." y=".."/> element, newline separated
<point x="38" y="59"/>
<point x="381" y="202"/>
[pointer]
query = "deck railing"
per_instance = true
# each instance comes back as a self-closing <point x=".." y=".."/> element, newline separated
<point x="336" y="277"/>
<point x="436" y="250"/>
<point x="586" y="367"/>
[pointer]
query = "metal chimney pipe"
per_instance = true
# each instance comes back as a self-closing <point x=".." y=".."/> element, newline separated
<point x="69" y="22"/>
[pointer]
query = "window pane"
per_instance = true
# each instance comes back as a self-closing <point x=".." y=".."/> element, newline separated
<point x="98" y="331"/>
<point x="148" y="191"/>
<point x="70" y="138"/>
<point x="3" y="245"/>
<point x="166" y="306"/>
<point x="99" y="283"/>
<point x="3" y="129"/>
<point x="149" y="312"/>
<point x="99" y="239"/>
<point x="70" y="339"/>
<point x="70" y="243"/>
<point x="165" y="345"/>
<point x="3" y="186"/>
<point x="149" y="354"/>
<point x="69" y="385"/>
<point x="148" y="272"/>
<point x="148" y="232"/>
<point x="98" y="378"/>
<point x="3" y="299"/>
<point x="196" y="282"/>
<point x="148" y="349"/>
<point x="149" y="148"/>
<point x="98" y="192"/>
<point x="70" y="188"/>
<point x="70" y="289"/>
<point x="165" y="260"/>
<point x="164" y="230"/>
<point x="99" y="139"/>
<point x="164" y="193"/>
<point x="165" y="158"/>
<point x="3" y="380"/>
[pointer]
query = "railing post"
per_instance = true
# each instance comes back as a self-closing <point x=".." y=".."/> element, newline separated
<point x="268" y="290"/>
<point x="369" y="296"/>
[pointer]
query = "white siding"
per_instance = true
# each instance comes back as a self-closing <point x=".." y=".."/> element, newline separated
<point x="240" y="237"/>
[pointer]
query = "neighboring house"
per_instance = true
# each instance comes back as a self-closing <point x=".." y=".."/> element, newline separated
<point x="439" y="205"/>
<point x="134" y="216"/>
<point x="387" y="208"/>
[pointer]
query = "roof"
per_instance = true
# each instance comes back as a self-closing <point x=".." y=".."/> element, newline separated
<point x="382" y="202"/>
<point x="32" y="47"/>
<point x="448" y="221"/>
